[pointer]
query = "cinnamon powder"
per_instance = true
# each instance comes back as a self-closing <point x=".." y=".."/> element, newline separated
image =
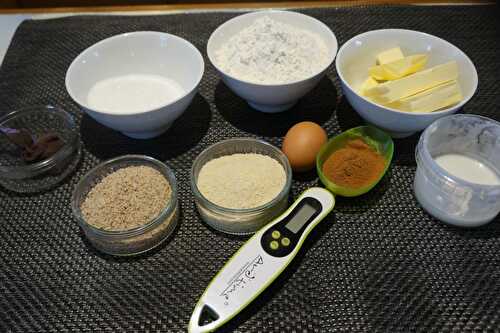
<point x="355" y="165"/>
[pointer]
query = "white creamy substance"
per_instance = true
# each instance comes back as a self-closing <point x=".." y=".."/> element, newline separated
<point x="133" y="93"/>
<point x="468" y="168"/>
<point x="272" y="52"/>
<point x="458" y="204"/>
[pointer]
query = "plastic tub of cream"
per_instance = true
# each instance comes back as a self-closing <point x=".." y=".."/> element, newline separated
<point x="458" y="178"/>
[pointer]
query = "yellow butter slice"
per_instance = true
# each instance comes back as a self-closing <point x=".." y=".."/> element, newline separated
<point x="391" y="91"/>
<point x="389" y="56"/>
<point x="367" y="84"/>
<point x="399" y="68"/>
<point x="437" y="98"/>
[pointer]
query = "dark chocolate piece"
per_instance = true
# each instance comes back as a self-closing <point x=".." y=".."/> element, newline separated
<point x="34" y="150"/>
<point x="20" y="137"/>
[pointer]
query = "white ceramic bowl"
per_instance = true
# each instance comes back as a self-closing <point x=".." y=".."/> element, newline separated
<point x="271" y="97"/>
<point x="148" y="63"/>
<point x="358" y="54"/>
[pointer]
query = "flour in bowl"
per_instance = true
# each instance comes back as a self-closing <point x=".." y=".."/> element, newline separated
<point x="272" y="52"/>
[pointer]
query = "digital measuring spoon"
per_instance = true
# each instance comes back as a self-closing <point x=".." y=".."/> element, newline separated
<point x="260" y="261"/>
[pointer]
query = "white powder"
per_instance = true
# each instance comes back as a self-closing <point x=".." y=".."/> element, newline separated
<point x="241" y="180"/>
<point x="133" y="93"/>
<point x="272" y="52"/>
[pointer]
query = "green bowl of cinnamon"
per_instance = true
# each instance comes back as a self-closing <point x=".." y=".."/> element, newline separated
<point x="353" y="162"/>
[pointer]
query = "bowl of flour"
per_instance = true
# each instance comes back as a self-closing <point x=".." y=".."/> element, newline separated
<point x="272" y="58"/>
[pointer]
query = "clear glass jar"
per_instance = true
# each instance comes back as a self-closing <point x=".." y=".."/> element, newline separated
<point x="445" y="196"/>
<point x="240" y="221"/>
<point x="19" y="176"/>
<point x="136" y="240"/>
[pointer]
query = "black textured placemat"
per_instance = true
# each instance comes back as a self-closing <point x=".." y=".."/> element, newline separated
<point x="378" y="263"/>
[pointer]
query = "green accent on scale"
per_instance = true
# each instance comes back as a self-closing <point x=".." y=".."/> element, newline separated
<point x="276" y="234"/>
<point x="274" y="245"/>
<point x="279" y="271"/>
<point x="285" y="241"/>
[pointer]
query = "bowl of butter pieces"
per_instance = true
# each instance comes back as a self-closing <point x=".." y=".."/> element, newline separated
<point x="402" y="80"/>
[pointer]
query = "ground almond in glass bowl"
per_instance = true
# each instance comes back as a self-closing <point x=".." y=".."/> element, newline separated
<point x="240" y="184"/>
<point x="241" y="181"/>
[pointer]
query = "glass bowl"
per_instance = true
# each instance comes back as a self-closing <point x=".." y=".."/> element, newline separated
<point x="131" y="241"/>
<point x="377" y="139"/>
<point x="19" y="176"/>
<point x="240" y="221"/>
<point x="445" y="196"/>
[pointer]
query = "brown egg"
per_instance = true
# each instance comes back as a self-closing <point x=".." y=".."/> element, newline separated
<point x="302" y="143"/>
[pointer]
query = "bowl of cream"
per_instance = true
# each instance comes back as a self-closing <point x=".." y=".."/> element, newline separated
<point x="137" y="83"/>
<point x="458" y="177"/>
<point x="272" y="58"/>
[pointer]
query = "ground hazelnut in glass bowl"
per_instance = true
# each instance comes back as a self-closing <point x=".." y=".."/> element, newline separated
<point x="127" y="205"/>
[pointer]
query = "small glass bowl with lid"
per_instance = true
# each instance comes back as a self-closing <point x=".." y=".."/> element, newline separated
<point x="18" y="175"/>
<point x="240" y="221"/>
<point x="131" y="241"/>
<point x="465" y="200"/>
